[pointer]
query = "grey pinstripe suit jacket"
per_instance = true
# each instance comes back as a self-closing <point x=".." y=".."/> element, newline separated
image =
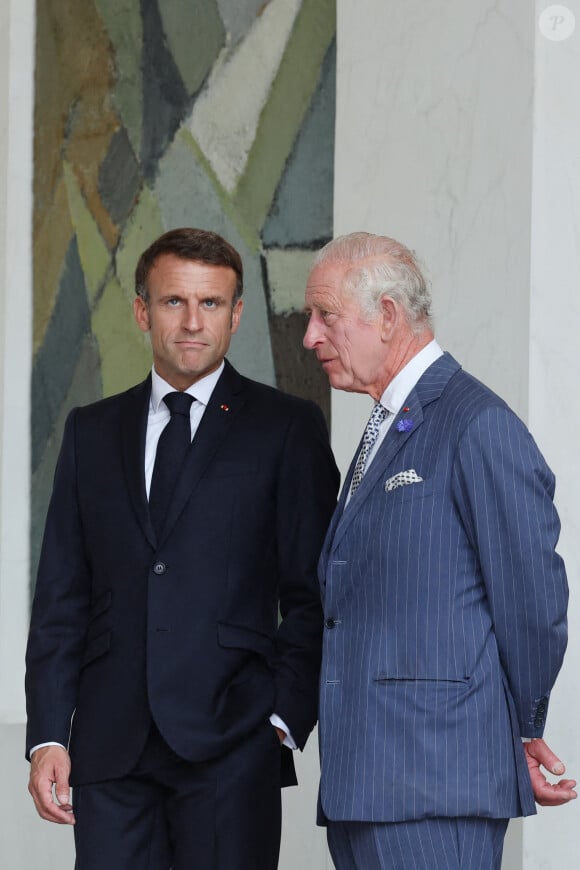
<point x="445" y="607"/>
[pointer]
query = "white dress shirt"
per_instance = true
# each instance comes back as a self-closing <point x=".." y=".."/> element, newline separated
<point x="394" y="396"/>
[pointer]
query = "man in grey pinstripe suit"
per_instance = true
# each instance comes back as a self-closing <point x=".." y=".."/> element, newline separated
<point x="445" y="600"/>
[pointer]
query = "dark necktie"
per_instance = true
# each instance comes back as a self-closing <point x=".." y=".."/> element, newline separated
<point x="172" y="446"/>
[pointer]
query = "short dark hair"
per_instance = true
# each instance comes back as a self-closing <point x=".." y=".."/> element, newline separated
<point x="188" y="243"/>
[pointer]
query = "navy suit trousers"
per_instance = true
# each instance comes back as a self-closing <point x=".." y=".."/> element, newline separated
<point x="222" y="814"/>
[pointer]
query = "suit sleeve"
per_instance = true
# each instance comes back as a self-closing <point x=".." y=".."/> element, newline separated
<point x="504" y="492"/>
<point x="307" y="488"/>
<point x="59" y="611"/>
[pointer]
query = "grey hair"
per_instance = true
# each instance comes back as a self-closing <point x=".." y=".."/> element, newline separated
<point x="379" y="266"/>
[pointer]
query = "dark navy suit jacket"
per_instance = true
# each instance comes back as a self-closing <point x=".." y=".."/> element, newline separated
<point x="445" y="607"/>
<point x="185" y="628"/>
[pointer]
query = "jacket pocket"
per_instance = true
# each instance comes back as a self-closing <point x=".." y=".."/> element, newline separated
<point x="410" y="491"/>
<point x="389" y="678"/>
<point x="242" y="637"/>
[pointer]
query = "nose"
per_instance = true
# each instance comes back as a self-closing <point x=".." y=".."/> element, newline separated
<point x="312" y="335"/>
<point x="191" y="318"/>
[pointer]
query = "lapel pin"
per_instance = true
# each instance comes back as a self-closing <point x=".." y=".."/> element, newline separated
<point x="225" y="407"/>
<point x="406" y="408"/>
<point x="405" y="425"/>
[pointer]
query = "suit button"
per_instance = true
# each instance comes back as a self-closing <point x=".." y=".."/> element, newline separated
<point x="330" y="623"/>
<point x="159" y="568"/>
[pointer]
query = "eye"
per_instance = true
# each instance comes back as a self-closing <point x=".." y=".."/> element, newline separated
<point x="173" y="302"/>
<point x="211" y="304"/>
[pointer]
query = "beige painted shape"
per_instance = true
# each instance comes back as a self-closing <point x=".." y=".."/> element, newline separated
<point x="222" y="123"/>
<point x="94" y="254"/>
<point x="124" y="350"/>
<point x="143" y="227"/>
<point x="287" y="276"/>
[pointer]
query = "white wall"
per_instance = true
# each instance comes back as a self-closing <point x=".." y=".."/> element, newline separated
<point x="458" y="132"/>
<point x="554" y="367"/>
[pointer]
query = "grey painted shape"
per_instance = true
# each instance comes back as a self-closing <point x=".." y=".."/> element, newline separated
<point x="165" y="98"/>
<point x="57" y="358"/>
<point x="194" y="34"/>
<point x="119" y="178"/>
<point x="301" y="213"/>
<point x="85" y="387"/>
<point x="187" y="197"/>
<point x="238" y="16"/>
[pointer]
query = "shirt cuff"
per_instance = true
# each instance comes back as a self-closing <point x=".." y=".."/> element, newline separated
<point x="279" y="723"/>
<point x="50" y="743"/>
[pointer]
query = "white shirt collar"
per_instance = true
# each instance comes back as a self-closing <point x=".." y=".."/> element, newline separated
<point x="201" y="390"/>
<point x="407" y="379"/>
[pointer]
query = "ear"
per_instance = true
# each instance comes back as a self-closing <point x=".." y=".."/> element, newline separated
<point x="141" y="312"/>
<point x="236" y="315"/>
<point x="389" y="314"/>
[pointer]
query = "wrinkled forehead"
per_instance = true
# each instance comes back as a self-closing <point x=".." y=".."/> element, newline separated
<point x="335" y="282"/>
<point x="327" y="277"/>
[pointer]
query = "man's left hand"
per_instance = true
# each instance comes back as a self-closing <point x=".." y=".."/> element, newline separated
<point x="547" y="794"/>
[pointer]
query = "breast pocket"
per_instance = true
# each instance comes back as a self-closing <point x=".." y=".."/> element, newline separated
<point x="410" y="492"/>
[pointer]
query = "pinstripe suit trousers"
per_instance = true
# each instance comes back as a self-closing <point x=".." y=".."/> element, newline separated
<point x="428" y="844"/>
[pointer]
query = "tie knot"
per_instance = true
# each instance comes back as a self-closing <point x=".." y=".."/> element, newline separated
<point x="178" y="403"/>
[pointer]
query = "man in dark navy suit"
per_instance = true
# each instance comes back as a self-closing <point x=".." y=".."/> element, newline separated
<point x="444" y="597"/>
<point x="176" y="625"/>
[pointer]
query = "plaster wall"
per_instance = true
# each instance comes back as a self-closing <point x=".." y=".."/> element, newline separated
<point x="458" y="133"/>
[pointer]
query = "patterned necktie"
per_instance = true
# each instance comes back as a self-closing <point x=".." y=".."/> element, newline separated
<point x="172" y="446"/>
<point x="371" y="432"/>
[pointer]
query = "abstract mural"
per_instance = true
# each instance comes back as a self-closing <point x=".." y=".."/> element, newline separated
<point x="153" y="114"/>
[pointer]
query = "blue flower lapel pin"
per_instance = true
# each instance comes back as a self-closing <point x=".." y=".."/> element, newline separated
<point x="405" y="424"/>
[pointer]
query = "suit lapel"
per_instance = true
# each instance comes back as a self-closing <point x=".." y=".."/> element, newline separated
<point x="224" y="405"/>
<point x="428" y="389"/>
<point x="133" y="434"/>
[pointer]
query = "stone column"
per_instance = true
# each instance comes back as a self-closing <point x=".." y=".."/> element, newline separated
<point x="16" y="101"/>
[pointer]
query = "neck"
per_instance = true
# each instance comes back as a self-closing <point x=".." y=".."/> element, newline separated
<point x="401" y="352"/>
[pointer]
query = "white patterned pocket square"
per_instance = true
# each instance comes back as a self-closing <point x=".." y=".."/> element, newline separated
<point x="403" y="478"/>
